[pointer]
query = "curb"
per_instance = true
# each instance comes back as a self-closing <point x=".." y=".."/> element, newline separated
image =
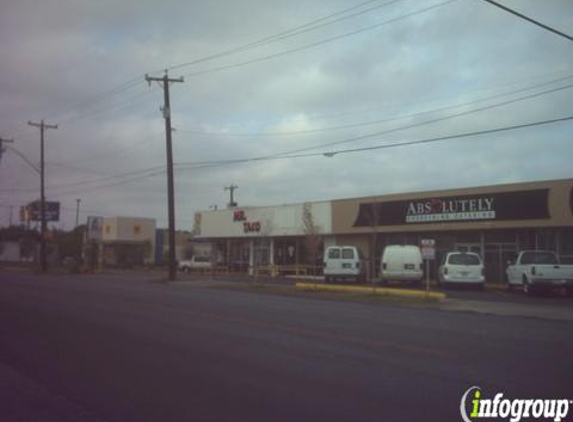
<point x="383" y="291"/>
<point x="495" y="286"/>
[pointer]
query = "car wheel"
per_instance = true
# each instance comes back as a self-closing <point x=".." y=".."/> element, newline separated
<point x="528" y="288"/>
<point x="509" y="287"/>
<point x="187" y="270"/>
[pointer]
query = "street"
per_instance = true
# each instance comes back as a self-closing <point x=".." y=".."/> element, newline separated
<point x="127" y="348"/>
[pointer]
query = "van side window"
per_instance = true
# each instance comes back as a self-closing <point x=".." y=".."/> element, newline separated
<point x="347" y="253"/>
<point x="334" y="253"/>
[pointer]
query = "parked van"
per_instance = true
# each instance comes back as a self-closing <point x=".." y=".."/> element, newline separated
<point x="461" y="267"/>
<point x="343" y="262"/>
<point x="401" y="262"/>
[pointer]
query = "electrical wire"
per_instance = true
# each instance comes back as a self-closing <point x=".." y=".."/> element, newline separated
<point x="89" y="102"/>
<point x="372" y="122"/>
<point x="527" y="18"/>
<point x="309" y="26"/>
<point x="219" y="163"/>
<point x="317" y="43"/>
<point x="427" y="122"/>
<point x="23" y="157"/>
<point x="328" y="144"/>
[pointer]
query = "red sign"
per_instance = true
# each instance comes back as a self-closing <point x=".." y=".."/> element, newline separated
<point x="239" y="216"/>
<point x="252" y="227"/>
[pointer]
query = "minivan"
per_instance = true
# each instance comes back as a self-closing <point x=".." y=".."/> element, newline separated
<point x="343" y="262"/>
<point x="461" y="267"/>
<point x="401" y="262"/>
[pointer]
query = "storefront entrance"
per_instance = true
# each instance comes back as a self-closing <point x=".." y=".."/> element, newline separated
<point x="496" y="257"/>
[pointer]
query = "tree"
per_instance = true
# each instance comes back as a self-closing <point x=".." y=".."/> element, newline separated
<point x="196" y="231"/>
<point x="312" y="240"/>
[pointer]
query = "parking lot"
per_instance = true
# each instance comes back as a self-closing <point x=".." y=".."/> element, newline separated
<point x="491" y="292"/>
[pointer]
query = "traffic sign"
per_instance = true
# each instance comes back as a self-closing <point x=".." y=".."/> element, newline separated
<point x="428" y="248"/>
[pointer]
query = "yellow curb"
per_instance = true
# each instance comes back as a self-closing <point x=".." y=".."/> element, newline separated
<point x="373" y="290"/>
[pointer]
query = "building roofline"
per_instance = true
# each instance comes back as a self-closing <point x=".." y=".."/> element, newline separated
<point x="498" y="187"/>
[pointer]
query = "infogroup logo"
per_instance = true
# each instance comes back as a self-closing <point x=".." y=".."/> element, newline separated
<point x="513" y="409"/>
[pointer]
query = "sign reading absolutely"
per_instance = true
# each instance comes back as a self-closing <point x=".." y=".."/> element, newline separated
<point x="435" y="209"/>
<point x="496" y="206"/>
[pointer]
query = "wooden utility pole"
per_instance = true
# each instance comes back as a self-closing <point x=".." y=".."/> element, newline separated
<point x="164" y="81"/>
<point x="42" y="127"/>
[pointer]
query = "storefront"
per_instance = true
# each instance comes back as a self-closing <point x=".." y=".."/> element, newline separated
<point x="494" y="221"/>
<point x="252" y="238"/>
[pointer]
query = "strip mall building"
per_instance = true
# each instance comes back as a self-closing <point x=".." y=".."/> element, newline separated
<point x="494" y="221"/>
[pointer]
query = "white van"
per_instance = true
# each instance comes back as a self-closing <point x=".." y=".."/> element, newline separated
<point x="401" y="262"/>
<point x="343" y="262"/>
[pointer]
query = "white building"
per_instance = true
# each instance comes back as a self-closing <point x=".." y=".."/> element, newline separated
<point x="258" y="236"/>
<point x="128" y="240"/>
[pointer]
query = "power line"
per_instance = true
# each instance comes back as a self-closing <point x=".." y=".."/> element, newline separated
<point x="284" y="34"/>
<point x="23" y="157"/>
<point x="373" y="122"/>
<point x="263" y="41"/>
<point x="143" y="172"/>
<point x="383" y="146"/>
<point x="332" y="128"/>
<point x="444" y="138"/>
<point x="533" y="21"/>
<point x="427" y="122"/>
<point x="219" y="163"/>
<point x="321" y="42"/>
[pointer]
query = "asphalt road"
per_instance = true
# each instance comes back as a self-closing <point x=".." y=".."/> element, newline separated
<point x="118" y="349"/>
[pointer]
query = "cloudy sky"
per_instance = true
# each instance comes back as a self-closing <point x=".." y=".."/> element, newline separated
<point x="292" y="81"/>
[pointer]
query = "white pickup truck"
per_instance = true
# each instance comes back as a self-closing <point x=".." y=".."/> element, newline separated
<point x="534" y="271"/>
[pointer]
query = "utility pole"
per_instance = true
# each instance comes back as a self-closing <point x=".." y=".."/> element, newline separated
<point x="42" y="127"/>
<point x="78" y="200"/>
<point x="231" y="189"/>
<point x="2" y="140"/>
<point x="164" y="81"/>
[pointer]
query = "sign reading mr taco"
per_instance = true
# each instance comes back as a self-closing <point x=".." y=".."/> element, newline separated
<point x="248" y="226"/>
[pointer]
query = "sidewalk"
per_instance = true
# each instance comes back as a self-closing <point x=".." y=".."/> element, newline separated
<point x="555" y="313"/>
